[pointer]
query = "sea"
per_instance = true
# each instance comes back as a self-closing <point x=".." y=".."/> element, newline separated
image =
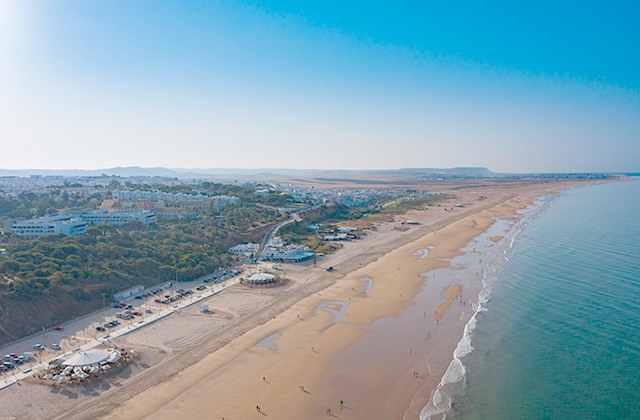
<point x="556" y="328"/>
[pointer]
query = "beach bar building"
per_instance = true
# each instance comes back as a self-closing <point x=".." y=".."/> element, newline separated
<point x="87" y="358"/>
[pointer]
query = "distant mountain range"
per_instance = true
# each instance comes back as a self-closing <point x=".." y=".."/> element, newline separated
<point x="281" y="174"/>
<point x="135" y="171"/>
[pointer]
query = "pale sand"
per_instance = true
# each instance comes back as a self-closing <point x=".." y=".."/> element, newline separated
<point x="229" y="382"/>
<point x="196" y="365"/>
<point x="452" y="292"/>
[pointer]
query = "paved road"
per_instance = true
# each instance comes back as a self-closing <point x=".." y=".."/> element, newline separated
<point x="295" y="216"/>
<point x="267" y="237"/>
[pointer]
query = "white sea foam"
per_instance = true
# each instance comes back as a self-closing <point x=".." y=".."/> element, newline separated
<point x="455" y="373"/>
<point x="441" y="401"/>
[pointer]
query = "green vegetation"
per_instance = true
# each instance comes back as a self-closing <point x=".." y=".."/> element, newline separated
<point x="111" y="259"/>
<point x="27" y="205"/>
<point x="70" y="274"/>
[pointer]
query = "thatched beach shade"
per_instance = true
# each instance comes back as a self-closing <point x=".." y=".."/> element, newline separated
<point x="86" y="358"/>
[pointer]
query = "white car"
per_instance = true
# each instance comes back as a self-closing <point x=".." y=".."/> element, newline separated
<point x="38" y="346"/>
<point x="56" y="347"/>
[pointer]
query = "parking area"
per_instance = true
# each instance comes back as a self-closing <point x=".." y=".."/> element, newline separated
<point x="22" y="355"/>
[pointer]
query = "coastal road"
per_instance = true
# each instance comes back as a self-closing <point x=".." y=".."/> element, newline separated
<point x="295" y="218"/>
<point x="267" y="237"/>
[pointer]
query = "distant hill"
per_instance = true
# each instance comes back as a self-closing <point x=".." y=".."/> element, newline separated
<point x="259" y="173"/>
<point x="283" y="174"/>
<point x="461" y="171"/>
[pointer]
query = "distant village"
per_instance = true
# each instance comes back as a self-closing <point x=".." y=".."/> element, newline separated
<point x="118" y="206"/>
<point x="126" y="206"/>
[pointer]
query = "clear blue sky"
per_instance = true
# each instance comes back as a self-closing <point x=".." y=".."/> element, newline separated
<point x="537" y="87"/>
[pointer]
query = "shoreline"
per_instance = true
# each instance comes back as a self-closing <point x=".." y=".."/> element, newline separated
<point x="323" y="337"/>
<point x="212" y="366"/>
<point x="490" y="261"/>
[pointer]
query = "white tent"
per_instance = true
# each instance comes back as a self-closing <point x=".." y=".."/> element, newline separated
<point x="114" y="357"/>
<point x="89" y="357"/>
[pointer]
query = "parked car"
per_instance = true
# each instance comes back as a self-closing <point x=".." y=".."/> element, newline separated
<point x="58" y="328"/>
<point x="56" y="346"/>
<point x="99" y="328"/>
<point x="149" y="311"/>
<point x="38" y="346"/>
<point x="9" y="365"/>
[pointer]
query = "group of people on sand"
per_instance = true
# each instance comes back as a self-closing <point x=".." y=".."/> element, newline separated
<point x="301" y="387"/>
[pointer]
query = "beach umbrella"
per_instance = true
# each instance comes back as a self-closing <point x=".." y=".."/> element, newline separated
<point x="113" y="357"/>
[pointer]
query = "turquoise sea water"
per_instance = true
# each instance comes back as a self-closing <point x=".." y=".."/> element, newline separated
<point x="559" y="336"/>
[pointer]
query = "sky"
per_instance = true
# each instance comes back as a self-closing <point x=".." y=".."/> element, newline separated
<point x="511" y="86"/>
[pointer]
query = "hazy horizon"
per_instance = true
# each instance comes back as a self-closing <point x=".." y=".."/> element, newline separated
<point x="273" y="85"/>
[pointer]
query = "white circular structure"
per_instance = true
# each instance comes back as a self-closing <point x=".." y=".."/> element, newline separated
<point x="261" y="277"/>
<point x="86" y="358"/>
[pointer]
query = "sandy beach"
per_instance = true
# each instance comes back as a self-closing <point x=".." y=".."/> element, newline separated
<point x="373" y="333"/>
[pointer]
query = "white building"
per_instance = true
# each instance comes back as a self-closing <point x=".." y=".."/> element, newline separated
<point x="337" y="237"/>
<point x="346" y="229"/>
<point x="164" y="196"/>
<point x="34" y="228"/>
<point x="244" y="249"/>
<point x="290" y="253"/>
<point x="117" y="218"/>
